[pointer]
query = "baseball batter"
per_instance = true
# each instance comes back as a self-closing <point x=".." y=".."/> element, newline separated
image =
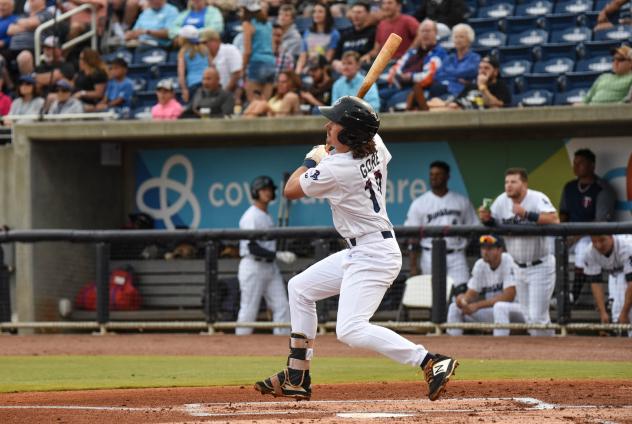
<point x="441" y="206"/>
<point x="258" y="274"/>
<point x="612" y="254"/>
<point x="490" y="292"/>
<point x="535" y="272"/>
<point x="353" y="180"/>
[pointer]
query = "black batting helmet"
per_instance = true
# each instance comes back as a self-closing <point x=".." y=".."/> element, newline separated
<point x="358" y="118"/>
<point x="259" y="183"/>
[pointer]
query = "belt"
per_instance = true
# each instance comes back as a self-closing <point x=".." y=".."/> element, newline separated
<point x="369" y="238"/>
<point x="528" y="264"/>
<point x="260" y="259"/>
<point x="449" y="251"/>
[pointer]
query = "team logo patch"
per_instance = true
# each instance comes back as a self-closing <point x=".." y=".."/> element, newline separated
<point x="315" y="175"/>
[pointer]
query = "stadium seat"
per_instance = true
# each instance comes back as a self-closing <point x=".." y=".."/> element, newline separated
<point x="150" y="56"/>
<point x="534" y="8"/>
<point x="509" y="53"/>
<point x="595" y="64"/>
<point x="600" y="4"/>
<point x="549" y="82"/>
<point x="529" y="38"/>
<point x="514" y="68"/>
<point x="145" y="99"/>
<point x="142" y="112"/>
<point x="569" y="98"/>
<point x="533" y="98"/>
<point x="139" y="71"/>
<point x="341" y="22"/>
<point x="483" y="25"/>
<point x="562" y="21"/>
<point x="140" y="84"/>
<point x="557" y="66"/>
<point x="555" y="50"/>
<point x="598" y="48"/>
<point x="120" y="53"/>
<point x="575" y="80"/>
<point x="619" y="33"/>
<point x="496" y="11"/>
<point x="490" y="39"/>
<point x="167" y="70"/>
<point x="571" y="35"/>
<point x="519" y="24"/>
<point x="573" y="6"/>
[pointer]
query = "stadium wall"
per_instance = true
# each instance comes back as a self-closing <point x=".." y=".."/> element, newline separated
<point x="87" y="174"/>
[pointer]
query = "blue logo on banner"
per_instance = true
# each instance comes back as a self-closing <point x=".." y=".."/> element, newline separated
<point x="210" y="188"/>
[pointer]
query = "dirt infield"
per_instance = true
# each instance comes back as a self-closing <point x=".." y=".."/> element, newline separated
<point x="510" y="401"/>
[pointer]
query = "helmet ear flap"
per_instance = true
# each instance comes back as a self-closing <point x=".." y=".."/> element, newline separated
<point x="254" y="193"/>
<point x="343" y="136"/>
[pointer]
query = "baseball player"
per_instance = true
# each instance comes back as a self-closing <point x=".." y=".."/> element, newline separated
<point x="612" y="254"/>
<point x="535" y="272"/>
<point x="440" y="206"/>
<point x="490" y="292"/>
<point x="353" y="179"/>
<point x="258" y="274"/>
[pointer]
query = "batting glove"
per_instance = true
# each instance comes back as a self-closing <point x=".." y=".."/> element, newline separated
<point x="286" y="257"/>
<point x="317" y="153"/>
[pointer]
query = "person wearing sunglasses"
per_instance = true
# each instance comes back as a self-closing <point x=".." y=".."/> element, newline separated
<point x="491" y="292"/>
<point x="64" y="103"/>
<point x="613" y="87"/>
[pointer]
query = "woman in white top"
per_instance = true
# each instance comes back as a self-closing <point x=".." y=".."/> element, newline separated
<point x="27" y="103"/>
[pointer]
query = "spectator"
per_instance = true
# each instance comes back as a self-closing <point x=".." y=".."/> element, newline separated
<point x="64" y="102"/>
<point x="613" y="87"/>
<point x="192" y="61"/>
<point x="319" y="93"/>
<point x="393" y="21"/>
<point x="490" y="292"/>
<point x="461" y="67"/>
<point x="91" y="80"/>
<point x="258" y="59"/>
<point x="210" y="99"/>
<point x="126" y="12"/>
<point x="351" y="80"/>
<point x="201" y="16"/>
<point x="27" y="103"/>
<point x="22" y="43"/>
<point x="611" y="8"/>
<point x="284" y="61"/>
<point x="489" y="91"/>
<point x="285" y="101"/>
<point x="418" y="66"/>
<point x="441" y="206"/>
<point x="449" y="12"/>
<point x="321" y="38"/>
<point x="53" y="66"/>
<point x="119" y="89"/>
<point x="359" y="37"/>
<point x="291" y="40"/>
<point x="80" y="22"/>
<point x="167" y="107"/>
<point x="226" y="58"/>
<point x="612" y="254"/>
<point x="7" y="17"/>
<point x="535" y="275"/>
<point x="5" y="101"/>
<point x="152" y="26"/>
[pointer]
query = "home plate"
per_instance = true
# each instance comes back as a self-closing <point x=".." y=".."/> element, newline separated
<point x="369" y="415"/>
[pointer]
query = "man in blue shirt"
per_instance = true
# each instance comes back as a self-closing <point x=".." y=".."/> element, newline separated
<point x="6" y="18"/>
<point x="152" y="26"/>
<point x="119" y="90"/>
<point x="351" y="80"/>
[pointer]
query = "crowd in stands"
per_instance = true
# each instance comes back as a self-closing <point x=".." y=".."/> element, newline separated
<point x="286" y="57"/>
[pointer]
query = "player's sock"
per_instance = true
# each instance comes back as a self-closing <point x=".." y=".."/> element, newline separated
<point x="428" y="357"/>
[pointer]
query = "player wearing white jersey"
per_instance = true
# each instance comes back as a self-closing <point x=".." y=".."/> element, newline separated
<point x="353" y="180"/>
<point x="490" y="292"/>
<point x="443" y="207"/>
<point x="612" y="254"/>
<point x="258" y="274"/>
<point x="535" y="270"/>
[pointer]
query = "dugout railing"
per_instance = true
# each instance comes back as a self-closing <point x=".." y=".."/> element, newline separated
<point x="102" y="239"/>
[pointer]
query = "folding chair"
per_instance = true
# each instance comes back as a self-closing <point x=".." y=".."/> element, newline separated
<point x="418" y="294"/>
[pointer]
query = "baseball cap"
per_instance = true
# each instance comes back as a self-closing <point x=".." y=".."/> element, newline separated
<point x="491" y="240"/>
<point x="251" y="5"/>
<point x="64" y="84"/>
<point x="623" y="50"/>
<point x="165" y="84"/>
<point x="51" y="41"/>
<point x="190" y="33"/>
<point x="316" y="62"/>
<point x="27" y="79"/>
<point x="118" y="61"/>
<point x="492" y="61"/>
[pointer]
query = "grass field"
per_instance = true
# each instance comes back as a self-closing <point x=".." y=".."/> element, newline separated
<point x="42" y="373"/>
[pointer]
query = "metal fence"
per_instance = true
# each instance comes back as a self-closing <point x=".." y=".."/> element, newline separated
<point x="102" y="239"/>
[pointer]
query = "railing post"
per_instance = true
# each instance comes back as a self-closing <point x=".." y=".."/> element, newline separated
<point x="5" y="294"/>
<point x="561" y="280"/>
<point x="439" y="277"/>
<point x="211" y="303"/>
<point x="103" y="285"/>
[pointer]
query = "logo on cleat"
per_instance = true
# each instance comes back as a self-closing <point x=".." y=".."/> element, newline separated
<point x="441" y="367"/>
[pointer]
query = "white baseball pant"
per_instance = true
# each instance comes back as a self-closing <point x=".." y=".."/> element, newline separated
<point x="499" y="313"/>
<point x="455" y="262"/>
<point x="506" y="313"/>
<point x="535" y="285"/>
<point x="579" y="249"/>
<point x="259" y="279"/>
<point x="618" y="286"/>
<point x="361" y="275"/>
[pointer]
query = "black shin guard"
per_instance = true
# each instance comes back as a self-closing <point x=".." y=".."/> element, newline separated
<point x="299" y="359"/>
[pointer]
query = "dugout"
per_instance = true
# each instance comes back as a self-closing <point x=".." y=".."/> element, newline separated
<point x="83" y="175"/>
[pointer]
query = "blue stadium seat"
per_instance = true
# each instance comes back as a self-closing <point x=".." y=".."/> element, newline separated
<point x="595" y="64"/>
<point x="562" y="21"/>
<point x="490" y="39"/>
<point x="555" y="50"/>
<point x="529" y="38"/>
<point x="231" y="29"/>
<point x="571" y="35"/>
<point x="598" y="48"/>
<point x="483" y="25"/>
<point x="120" y="53"/>
<point x="145" y="99"/>
<point x="167" y="70"/>
<point x="557" y="66"/>
<point x="497" y="11"/>
<point x="341" y="22"/>
<point x="533" y="98"/>
<point x="576" y="80"/>
<point x="573" y="6"/>
<point x="486" y="3"/>
<point x="140" y="84"/>
<point x="173" y="57"/>
<point x="519" y="24"/>
<point x="514" y="68"/>
<point x="139" y="71"/>
<point x="571" y="97"/>
<point x="151" y="56"/>
<point x="619" y="33"/>
<point x="600" y="4"/>
<point x="550" y="82"/>
<point x="534" y="8"/>
<point x="508" y="53"/>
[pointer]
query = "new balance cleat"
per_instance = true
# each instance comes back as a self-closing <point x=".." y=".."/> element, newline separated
<point x="280" y="385"/>
<point x="437" y="373"/>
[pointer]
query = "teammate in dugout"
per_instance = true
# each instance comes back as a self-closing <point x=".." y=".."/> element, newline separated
<point x="535" y="274"/>
<point x="353" y="179"/>
<point x="258" y="274"/>
<point x="612" y="254"/>
<point x="441" y="206"/>
<point x="491" y="292"/>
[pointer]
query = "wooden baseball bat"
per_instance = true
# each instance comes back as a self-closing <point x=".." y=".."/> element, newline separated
<point x="381" y="60"/>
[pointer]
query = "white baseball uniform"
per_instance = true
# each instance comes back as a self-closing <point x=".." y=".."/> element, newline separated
<point x="361" y="274"/>
<point x="618" y="265"/>
<point x="260" y="277"/>
<point x="488" y="283"/>
<point x="535" y="270"/>
<point x="450" y="209"/>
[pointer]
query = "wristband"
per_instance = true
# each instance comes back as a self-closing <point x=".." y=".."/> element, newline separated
<point x="309" y="163"/>
<point x="532" y="216"/>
